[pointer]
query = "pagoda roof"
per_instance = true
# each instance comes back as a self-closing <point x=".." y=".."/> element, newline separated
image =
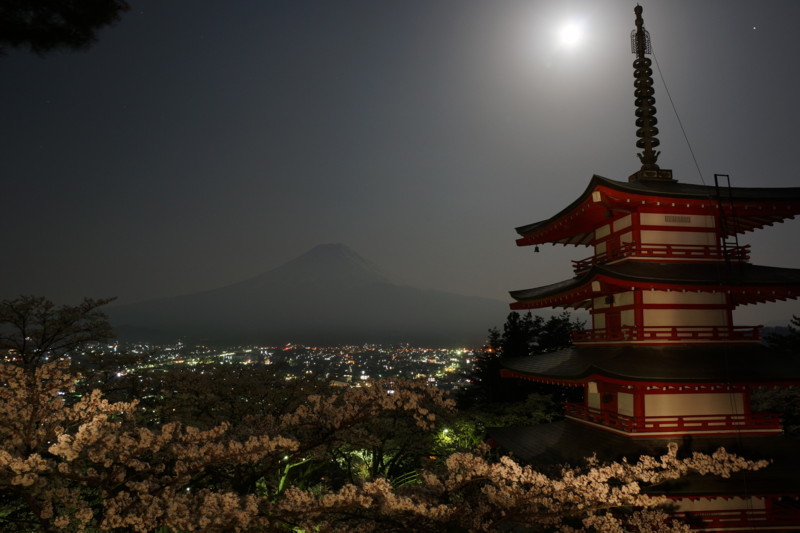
<point x="747" y="283"/>
<point x="570" y="442"/>
<point x="753" y="364"/>
<point x="753" y="207"/>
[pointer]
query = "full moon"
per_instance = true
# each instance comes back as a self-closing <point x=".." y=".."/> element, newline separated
<point x="570" y="34"/>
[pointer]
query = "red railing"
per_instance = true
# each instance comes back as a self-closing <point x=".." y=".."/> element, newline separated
<point x="679" y="423"/>
<point x="669" y="333"/>
<point x="666" y="251"/>
<point x="740" y="519"/>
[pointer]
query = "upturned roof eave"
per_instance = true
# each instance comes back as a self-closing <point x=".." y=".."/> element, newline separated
<point x="660" y="365"/>
<point x="648" y="275"/>
<point x="661" y="189"/>
<point x="596" y="373"/>
<point x="528" y="228"/>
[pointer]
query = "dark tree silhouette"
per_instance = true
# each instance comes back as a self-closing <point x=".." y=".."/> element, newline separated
<point x="790" y="340"/>
<point x="46" y="25"/>
<point x="34" y="330"/>
<point x="523" y="335"/>
<point x="785" y="401"/>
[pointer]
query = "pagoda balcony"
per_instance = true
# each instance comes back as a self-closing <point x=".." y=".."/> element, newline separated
<point x="740" y="519"/>
<point x="768" y="422"/>
<point x="668" y="252"/>
<point x="659" y="334"/>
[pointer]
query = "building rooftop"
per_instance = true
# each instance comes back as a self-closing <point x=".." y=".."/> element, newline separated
<point x="565" y="441"/>
<point x="753" y="207"/>
<point x="747" y="283"/>
<point x="722" y="363"/>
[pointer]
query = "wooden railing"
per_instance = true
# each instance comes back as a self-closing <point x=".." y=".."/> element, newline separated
<point x="739" y="520"/>
<point x="680" y="423"/>
<point x="669" y="334"/>
<point x="666" y="251"/>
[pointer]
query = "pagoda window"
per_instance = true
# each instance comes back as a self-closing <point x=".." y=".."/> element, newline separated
<point x="592" y="395"/>
<point x="625" y="403"/>
<point x="623" y="299"/>
<point x="677" y="317"/>
<point x="697" y="238"/>
<point x="669" y="219"/>
<point x="600" y="248"/>
<point x="684" y="298"/>
<point x="628" y="317"/>
<point x="610" y="239"/>
<point x="622" y="223"/>
<point x="602" y="232"/>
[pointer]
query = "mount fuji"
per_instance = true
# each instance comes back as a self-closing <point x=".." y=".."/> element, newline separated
<point x="329" y="295"/>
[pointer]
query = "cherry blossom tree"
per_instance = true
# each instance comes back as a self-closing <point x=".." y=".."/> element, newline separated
<point x="471" y="493"/>
<point x="70" y="460"/>
<point x="83" y="463"/>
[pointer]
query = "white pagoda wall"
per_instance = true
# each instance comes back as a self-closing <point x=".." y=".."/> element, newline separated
<point x="668" y="229"/>
<point x="685" y="317"/>
<point x="678" y="237"/>
<point x="679" y="316"/>
<point x="693" y="404"/>
<point x="658" y="228"/>
<point x="683" y="298"/>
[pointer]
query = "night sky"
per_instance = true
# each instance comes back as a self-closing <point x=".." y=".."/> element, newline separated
<point x="200" y="143"/>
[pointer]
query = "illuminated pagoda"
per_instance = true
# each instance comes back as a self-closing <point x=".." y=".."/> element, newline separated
<point x="663" y="361"/>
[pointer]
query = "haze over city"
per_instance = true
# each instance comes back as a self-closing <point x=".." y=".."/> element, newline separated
<point x="197" y="145"/>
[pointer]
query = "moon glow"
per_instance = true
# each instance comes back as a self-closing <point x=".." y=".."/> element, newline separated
<point x="570" y="34"/>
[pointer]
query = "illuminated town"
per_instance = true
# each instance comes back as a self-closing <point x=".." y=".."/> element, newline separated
<point x="349" y="365"/>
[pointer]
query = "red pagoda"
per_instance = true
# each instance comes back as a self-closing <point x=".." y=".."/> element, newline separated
<point x="663" y="361"/>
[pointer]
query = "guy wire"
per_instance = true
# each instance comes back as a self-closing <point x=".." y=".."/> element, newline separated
<point x="680" y="123"/>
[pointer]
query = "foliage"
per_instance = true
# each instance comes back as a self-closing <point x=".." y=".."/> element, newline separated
<point x="305" y="459"/>
<point x="203" y="395"/>
<point x="46" y="25"/>
<point x="468" y="428"/>
<point x="523" y="335"/>
<point x="787" y="341"/>
<point x="471" y="493"/>
<point x="86" y="464"/>
<point x="82" y="463"/>
<point x="530" y="335"/>
<point x="34" y="330"/>
<point x="784" y="401"/>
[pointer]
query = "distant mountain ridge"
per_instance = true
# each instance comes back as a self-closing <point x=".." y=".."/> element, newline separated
<point x="328" y="295"/>
<point x="344" y="268"/>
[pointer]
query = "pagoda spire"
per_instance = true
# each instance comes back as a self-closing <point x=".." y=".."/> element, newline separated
<point x="645" y="104"/>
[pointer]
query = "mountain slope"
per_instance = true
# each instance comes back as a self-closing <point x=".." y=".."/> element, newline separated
<point x="328" y="295"/>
